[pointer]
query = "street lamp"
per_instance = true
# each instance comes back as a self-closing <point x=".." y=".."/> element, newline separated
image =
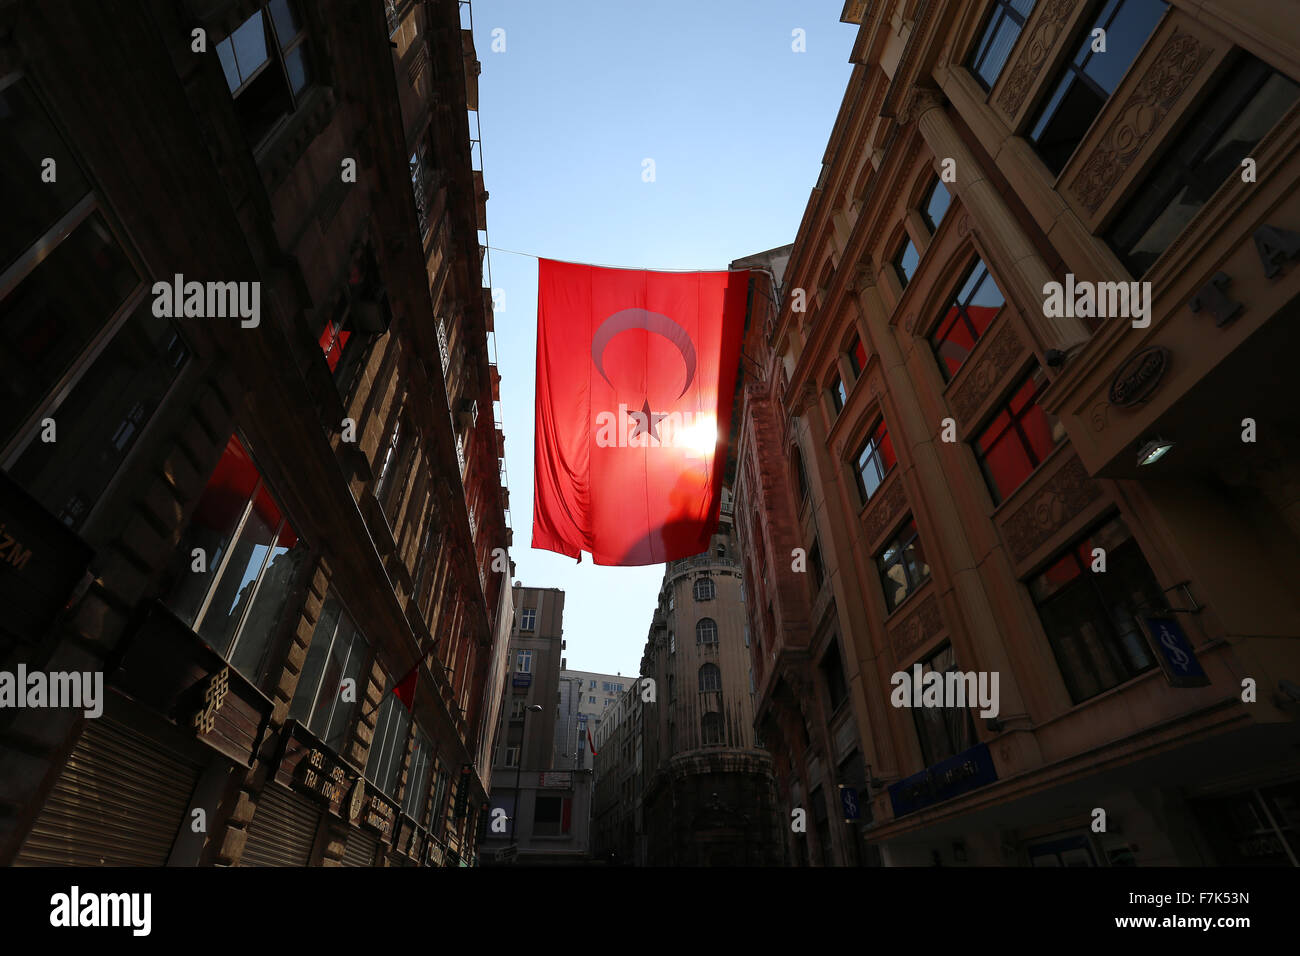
<point x="519" y="766"/>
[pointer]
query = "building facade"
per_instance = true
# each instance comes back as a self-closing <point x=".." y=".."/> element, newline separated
<point x="584" y="696"/>
<point x="1051" y="242"/>
<point x="540" y="805"/>
<point x="250" y="449"/>
<point x="617" y="834"/>
<point x="707" y="796"/>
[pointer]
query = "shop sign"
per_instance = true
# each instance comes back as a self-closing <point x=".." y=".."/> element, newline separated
<point x="968" y="770"/>
<point x="1175" y="651"/>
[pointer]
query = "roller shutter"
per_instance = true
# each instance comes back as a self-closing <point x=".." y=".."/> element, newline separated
<point x="119" y="801"/>
<point x="360" y="849"/>
<point x="283" y="830"/>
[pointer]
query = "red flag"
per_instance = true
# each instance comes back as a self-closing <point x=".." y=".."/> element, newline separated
<point x="635" y="376"/>
<point x="405" y="688"/>
<point x="591" y="743"/>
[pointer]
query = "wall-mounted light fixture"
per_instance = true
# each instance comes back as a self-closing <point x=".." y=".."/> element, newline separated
<point x="1152" y="450"/>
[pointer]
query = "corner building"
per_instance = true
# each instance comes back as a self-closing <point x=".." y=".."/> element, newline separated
<point x="255" y="526"/>
<point x="959" y="455"/>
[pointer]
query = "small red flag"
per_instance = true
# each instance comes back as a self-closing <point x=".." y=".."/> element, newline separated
<point x="405" y="688"/>
<point x="636" y="372"/>
<point x="591" y="743"/>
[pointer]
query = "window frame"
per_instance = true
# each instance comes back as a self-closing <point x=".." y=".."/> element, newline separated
<point x="700" y="591"/>
<point x="899" y="542"/>
<point x="1015" y="428"/>
<point x="875" y="438"/>
<point x="277" y="56"/>
<point x="952" y="303"/>
<point x="999" y="11"/>
<point x="713" y="683"/>
<point x="927" y="199"/>
<point x="701" y="630"/>
<point x="367" y="658"/>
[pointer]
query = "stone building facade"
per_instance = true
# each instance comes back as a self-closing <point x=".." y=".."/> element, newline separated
<point x="1096" y="501"/>
<point x="270" y="514"/>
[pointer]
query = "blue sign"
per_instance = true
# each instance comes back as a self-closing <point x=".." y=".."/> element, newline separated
<point x="1175" y="650"/>
<point x="969" y="770"/>
<point x="523" y="680"/>
<point x="849" y="801"/>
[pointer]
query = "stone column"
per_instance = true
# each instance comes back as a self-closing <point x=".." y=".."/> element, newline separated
<point x="1016" y="261"/>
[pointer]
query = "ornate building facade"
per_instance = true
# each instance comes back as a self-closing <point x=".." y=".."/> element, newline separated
<point x="1024" y="393"/>
<point x="251" y="447"/>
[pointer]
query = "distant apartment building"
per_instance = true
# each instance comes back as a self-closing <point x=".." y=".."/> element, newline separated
<point x="584" y="696"/>
<point x="682" y="779"/>
<point x="248" y="437"/>
<point x="1023" y="408"/>
<point x="540" y="808"/>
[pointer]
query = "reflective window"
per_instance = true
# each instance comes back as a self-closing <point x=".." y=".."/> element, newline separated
<point x="902" y="565"/>
<point x="1017" y="439"/>
<point x="971" y="312"/>
<point x="1006" y="20"/>
<point x="873" y="460"/>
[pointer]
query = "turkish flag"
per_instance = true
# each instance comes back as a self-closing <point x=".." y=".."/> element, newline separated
<point x="635" y="376"/>
<point x="404" y="689"/>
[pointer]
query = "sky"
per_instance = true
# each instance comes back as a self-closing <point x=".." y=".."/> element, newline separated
<point x="736" y="122"/>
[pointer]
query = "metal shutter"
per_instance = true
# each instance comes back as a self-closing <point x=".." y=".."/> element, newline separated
<point x="283" y="830"/>
<point x="120" y="801"/>
<point x="360" y="849"/>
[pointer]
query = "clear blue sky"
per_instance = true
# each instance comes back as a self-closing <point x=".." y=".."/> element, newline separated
<point x="585" y="90"/>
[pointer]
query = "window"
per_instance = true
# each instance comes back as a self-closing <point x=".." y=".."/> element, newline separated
<point x="838" y="394"/>
<point x="403" y="450"/>
<point x="512" y="757"/>
<point x="873" y="460"/>
<point x="943" y="731"/>
<point x="902" y="565"/>
<point x="267" y="67"/>
<point x="524" y="662"/>
<point x="833" y="671"/>
<point x="79" y="340"/>
<point x="815" y="565"/>
<point x="672" y="600"/>
<point x="423" y="183"/>
<point x="706" y="631"/>
<point x="337" y="653"/>
<point x="935" y="204"/>
<point x="251" y="556"/>
<point x="672" y="643"/>
<point x="801" y="480"/>
<point x="1006" y="20"/>
<point x="416" y="796"/>
<point x="384" y="763"/>
<point x="711" y="728"/>
<point x="857" y="356"/>
<point x="905" y="261"/>
<point x="593" y="685"/>
<point x="552" y="815"/>
<point x="1091" y="618"/>
<point x="1220" y="134"/>
<point x="972" y="310"/>
<point x="528" y="622"/>
<point x="704" y="590"/>
<point x="1017" y="439"/>
<point x="517" y="706"/>
<point x="1087" y="81"/>
<point x="439" y="802"/>
<point x="591" y="700"/>
<point x="710" y="677"/>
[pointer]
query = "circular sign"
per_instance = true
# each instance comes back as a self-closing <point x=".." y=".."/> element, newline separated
<point x="1138" y="377"/>
<point x="357" y="800"/>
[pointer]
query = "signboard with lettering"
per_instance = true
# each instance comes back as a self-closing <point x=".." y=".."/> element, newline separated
<point x="849" y="801"/>
<point x="379" y="815"/>
<point x="968" y="770"/>
<point x="41" y="563"/>
<point x="310" y="767"/>
<point x="559" y="779"/>
<point x="1175" y="652"/>
<point x="522" y="680"/>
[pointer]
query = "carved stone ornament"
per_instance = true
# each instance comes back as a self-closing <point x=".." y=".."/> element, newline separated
<point x="1166" y="78"/>
<point x="1041" y="36"/>
<point x="922" y="100"/>
<point x="1065" y="495"/>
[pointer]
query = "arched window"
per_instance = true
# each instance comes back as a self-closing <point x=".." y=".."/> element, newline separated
<point x="710" y="677"/>
<point x="706" y="631"/>
<point x="704" y="590"/>
<point x="711" y="728"/>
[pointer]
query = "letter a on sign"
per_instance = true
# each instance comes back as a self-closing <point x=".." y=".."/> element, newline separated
<point x="661" y="351"/>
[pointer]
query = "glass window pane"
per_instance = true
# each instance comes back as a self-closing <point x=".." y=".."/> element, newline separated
<point x="295" y="62"/>
<point x="302" y="707"/>
<point x="351" y="657"/>
<point x="249" y="40"/>
<point x="226" y="53"/>
<point x="287" y="23"/>
<point x="235" y="589"/>
<point x="27" y="139"/>
<point x="102" y="417"/>
<point x="47" y="321"/>
<point x="1125" y="34"/>
<point x="999" y="48"/>
<point x="936" y="206"/>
